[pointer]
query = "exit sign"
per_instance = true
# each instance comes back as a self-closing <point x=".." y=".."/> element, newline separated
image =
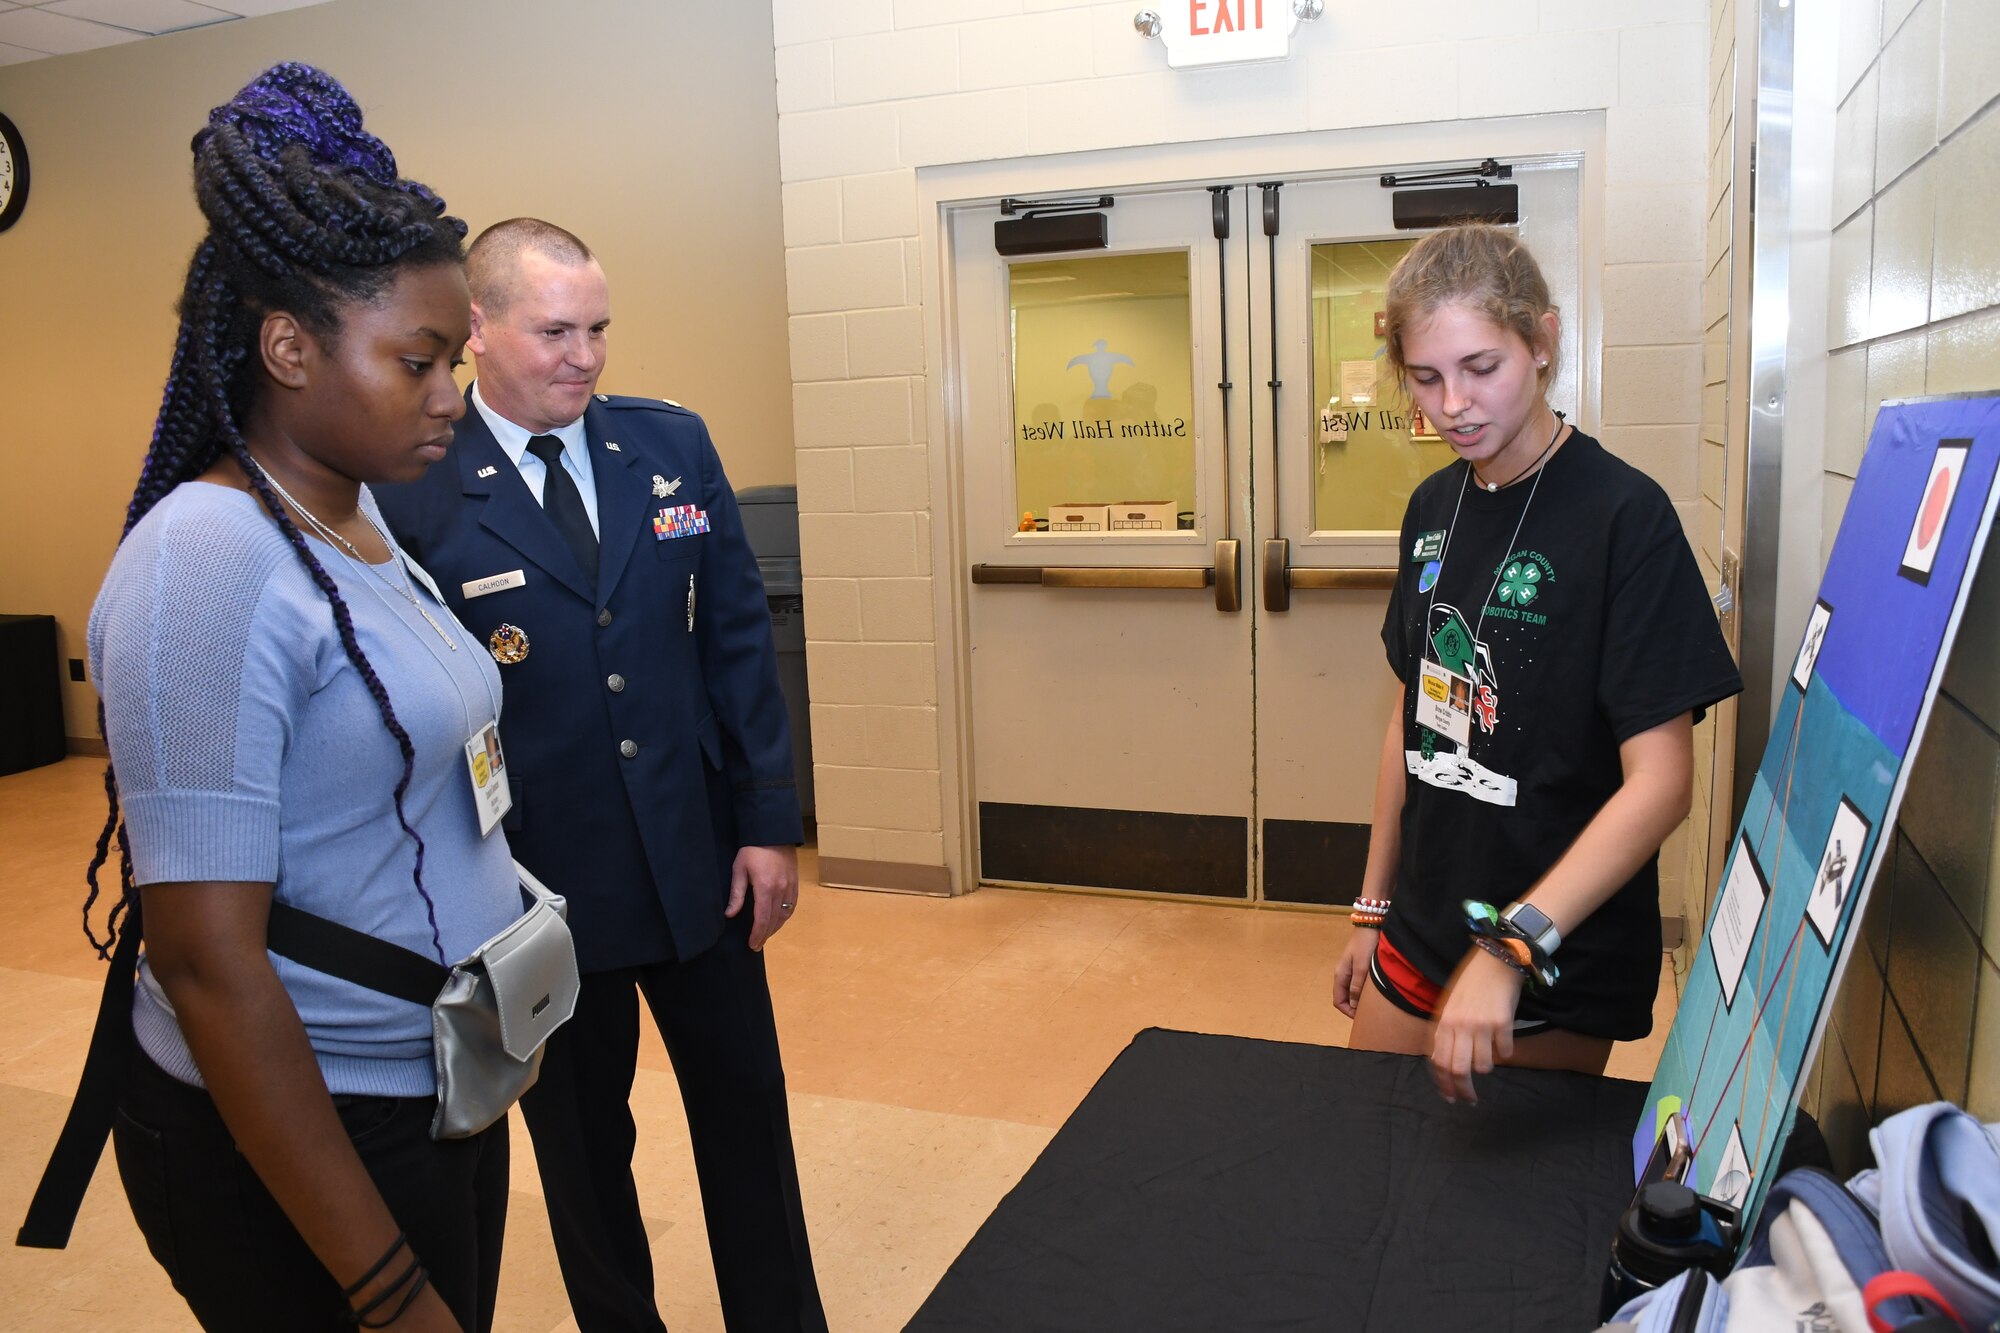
<point x="1221" y="32"/>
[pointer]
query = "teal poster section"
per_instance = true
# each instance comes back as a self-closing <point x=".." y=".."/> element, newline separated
<point x="1803" y="859"/>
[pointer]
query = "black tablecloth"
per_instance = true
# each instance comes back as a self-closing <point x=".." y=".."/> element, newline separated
<point x="31" y="718"/>
<point x="1221" y="1183"/>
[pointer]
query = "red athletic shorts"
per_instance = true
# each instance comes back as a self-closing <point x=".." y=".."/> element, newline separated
<point x="1414" y="993"/>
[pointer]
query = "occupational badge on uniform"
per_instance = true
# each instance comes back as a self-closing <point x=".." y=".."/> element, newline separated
<point x="509" y="644"/>
<point x="679" y="521"/>
<point x="662" y="488"/>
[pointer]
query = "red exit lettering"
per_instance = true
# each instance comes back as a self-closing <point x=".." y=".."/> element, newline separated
<point x="1226" y="18"/>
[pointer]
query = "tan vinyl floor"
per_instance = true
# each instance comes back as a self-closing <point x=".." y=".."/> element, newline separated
<point x="932" y="1048"/>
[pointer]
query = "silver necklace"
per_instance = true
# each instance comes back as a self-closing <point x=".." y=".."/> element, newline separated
<point x="395" y="557"/>
<point x="1492" y="486"/>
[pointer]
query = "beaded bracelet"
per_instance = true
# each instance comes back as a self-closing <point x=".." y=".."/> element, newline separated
<point x="1369" y="913"/>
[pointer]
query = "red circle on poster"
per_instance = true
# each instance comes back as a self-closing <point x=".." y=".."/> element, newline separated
<point x="1927" y="528"/>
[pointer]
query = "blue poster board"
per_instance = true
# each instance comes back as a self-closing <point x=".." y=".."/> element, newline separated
<point x="1844" y="735"/>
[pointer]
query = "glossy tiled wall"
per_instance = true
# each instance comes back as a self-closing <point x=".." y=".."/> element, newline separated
<point x="1916" y="309"/>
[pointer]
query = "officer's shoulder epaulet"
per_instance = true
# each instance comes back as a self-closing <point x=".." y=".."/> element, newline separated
<point x="625" y="402"/>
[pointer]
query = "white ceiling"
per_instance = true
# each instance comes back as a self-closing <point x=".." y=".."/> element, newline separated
<point x="32" y="29"/>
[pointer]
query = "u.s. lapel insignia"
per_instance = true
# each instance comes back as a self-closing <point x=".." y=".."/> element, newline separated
<point x="612" y="446"/>
<point x="509" y="644"/>
<point x="486" y="472"/>
<point x="660" y="489"/>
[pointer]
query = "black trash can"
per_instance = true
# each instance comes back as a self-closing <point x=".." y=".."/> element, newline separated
<point x="31" y="706"/>
<point x="771" y="522"/>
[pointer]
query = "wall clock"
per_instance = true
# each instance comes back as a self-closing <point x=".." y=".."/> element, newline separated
<point x="13" y="174"/>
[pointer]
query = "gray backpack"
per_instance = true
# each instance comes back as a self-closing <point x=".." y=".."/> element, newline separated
<point x="1910" y="1247"/>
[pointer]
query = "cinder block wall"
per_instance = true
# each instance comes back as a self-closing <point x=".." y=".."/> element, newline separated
<point x="870" y="92"/>
<point x="1916" y="310"/>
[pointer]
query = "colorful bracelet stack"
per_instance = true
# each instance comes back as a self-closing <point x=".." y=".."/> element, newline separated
<point x="1370" y="913"/>
<point x="1494" y="933"/>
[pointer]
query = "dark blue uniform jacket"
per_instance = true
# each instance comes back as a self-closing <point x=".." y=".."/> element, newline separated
<point x="643" y="751"/>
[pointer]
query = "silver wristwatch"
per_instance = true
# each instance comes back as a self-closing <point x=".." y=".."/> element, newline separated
<point x="1533" y="922"/>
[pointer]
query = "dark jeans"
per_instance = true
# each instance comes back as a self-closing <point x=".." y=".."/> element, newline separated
<point x="235" y="1256"/>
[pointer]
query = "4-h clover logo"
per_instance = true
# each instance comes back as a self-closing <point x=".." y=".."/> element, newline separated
<point x="1517" y="582"/>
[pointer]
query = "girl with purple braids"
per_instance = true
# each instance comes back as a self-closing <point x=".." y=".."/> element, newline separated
<point x="288" y="708"/>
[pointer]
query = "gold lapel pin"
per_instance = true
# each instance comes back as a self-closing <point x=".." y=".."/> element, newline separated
<point x="509" y="644"/>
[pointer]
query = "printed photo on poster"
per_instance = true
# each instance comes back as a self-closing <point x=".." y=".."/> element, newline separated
<point x="1736" y="915"/>
<point x="1839" y="871"/>
<point x="1816" y="625"/>
<point x="1732" y="1173"/>
<point x="1927" y="529"/>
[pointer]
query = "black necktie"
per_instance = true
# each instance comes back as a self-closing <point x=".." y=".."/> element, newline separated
<point x="564" y="504"/>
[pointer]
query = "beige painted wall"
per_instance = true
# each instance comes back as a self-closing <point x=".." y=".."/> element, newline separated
<point x="650" y="129"/>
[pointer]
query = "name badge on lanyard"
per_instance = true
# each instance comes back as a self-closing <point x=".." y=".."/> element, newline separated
<point x="1444" y="703"/>
<point x="491" y="795"/>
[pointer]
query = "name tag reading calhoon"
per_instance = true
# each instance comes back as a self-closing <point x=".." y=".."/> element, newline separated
<point x="513" y="578"/>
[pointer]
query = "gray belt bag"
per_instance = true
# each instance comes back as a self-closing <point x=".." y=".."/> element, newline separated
<point x="490" y="1013"/>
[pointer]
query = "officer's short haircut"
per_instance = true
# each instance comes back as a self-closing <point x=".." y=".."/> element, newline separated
<point x="493" y="262"/>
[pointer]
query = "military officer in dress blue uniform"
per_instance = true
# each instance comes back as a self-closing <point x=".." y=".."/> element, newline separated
<point x="594" y="543"/>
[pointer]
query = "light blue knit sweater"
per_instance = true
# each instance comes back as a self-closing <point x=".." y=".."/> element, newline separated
<point x="247" y="748"/>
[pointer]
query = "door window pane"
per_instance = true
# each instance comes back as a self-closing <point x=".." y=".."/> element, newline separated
<point x="1371" y="447"/>
<point x="1103" y="393"/>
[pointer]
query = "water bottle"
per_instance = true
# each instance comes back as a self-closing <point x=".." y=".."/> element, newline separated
<point x="1667" y="1229"/>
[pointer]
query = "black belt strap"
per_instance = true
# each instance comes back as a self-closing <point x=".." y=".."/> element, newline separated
<point x="354" y="955"/>
<point x="53" y="1211"/>
<point x="323" y="945"/>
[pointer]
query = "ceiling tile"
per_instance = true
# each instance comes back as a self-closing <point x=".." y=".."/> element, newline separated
<point x="14" y="55"/>
<point x="252" y="8"/>
<point x="151" y="16"/>
<point x="58" y="34"/>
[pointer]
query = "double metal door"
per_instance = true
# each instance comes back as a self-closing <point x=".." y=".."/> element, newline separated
<point x="1183" y="472"/>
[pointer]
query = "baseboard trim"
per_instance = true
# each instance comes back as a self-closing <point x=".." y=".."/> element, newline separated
<point x="87" y="745"/>
<point x="842" y="872"/>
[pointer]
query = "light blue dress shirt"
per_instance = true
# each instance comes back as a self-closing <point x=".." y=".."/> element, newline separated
<point x="513" y="441"/>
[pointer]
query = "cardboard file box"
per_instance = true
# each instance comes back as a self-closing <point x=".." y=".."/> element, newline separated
<point x="1077" y="518"/>
<point x="1142" y="516"/>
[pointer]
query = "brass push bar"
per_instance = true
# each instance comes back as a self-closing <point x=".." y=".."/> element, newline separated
<point x="1281" y="577"/>
<point x="1351" y="579"/>
<point x="1229" y="574"/>
<point x="1083" y="576"/>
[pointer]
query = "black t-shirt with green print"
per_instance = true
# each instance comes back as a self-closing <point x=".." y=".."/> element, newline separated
<point x="1589" y="627"/>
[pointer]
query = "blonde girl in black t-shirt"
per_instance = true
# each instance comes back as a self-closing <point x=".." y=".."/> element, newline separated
<point x="1553" y="646"/>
